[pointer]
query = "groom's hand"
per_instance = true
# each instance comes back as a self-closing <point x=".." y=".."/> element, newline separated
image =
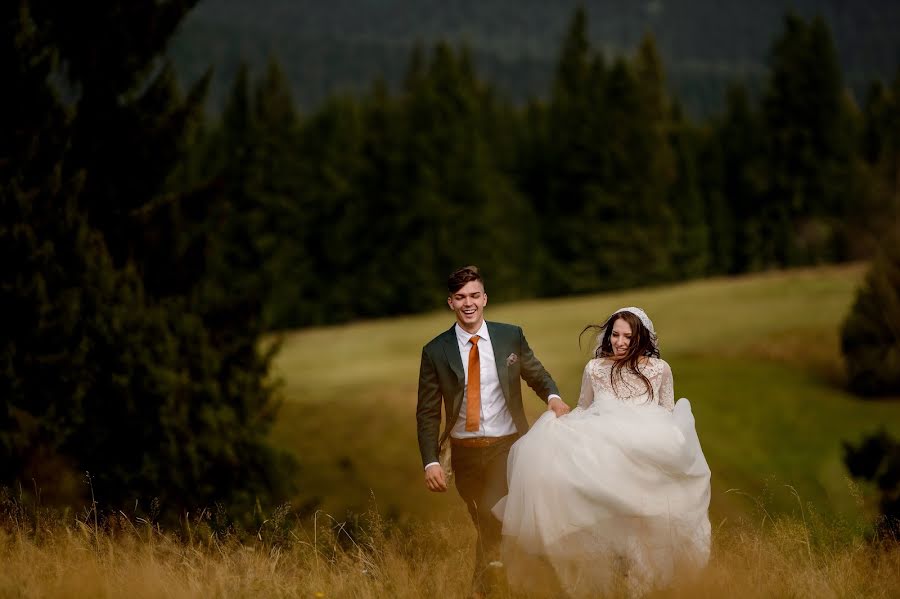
<point x="557" y="406"/>
<point x="434" y="478"/>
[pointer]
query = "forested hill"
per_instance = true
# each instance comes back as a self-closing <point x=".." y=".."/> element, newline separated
<point x="346" y="44"/>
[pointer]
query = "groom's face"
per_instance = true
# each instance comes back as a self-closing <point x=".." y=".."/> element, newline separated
<point x="468" y="304"/>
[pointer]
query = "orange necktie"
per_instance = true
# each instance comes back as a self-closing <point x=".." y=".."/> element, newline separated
<point x="473" y="388"/>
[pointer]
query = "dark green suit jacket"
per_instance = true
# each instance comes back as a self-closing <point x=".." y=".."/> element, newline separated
<point x="442" y="381"/>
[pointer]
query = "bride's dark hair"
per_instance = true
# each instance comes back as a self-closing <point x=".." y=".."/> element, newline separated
<point x="643" y="344"/>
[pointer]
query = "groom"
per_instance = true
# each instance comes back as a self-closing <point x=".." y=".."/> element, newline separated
<point x="473" y="369"/>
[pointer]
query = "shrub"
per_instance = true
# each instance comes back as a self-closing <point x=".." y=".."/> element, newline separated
<point x="877" y="460"/>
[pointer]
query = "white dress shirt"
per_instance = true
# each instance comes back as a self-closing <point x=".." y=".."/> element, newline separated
<point x="496" y="419"/>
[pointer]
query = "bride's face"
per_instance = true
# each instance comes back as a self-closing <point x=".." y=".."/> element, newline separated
<point x="620" y="338"/>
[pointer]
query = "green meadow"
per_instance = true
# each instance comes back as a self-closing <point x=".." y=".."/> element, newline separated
<point x="758" y="356"/>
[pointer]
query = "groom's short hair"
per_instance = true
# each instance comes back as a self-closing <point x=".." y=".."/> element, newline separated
<point x="461" y="276"/>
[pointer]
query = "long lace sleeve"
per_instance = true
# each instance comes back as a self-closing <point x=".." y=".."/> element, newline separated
<point x="586" y="396"/>
<point x="667" y="388"/>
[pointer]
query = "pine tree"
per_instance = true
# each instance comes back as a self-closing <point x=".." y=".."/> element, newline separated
<point x="331" y="160"/>
<point x="396" y="218"/>
<point x="880" y="143"/>
<point x="653" y="149"/>
<point x="578" y="164"/>
<point x="811" y="155"/>
<point x="568" y="162"/>
<point x="739" y="143"/>
<point x="120" y="363"/>
<point x="282" y="212"/>
<point x="471" y="210"/>
<point x="691" y="253"/>
<point x="870" y="336"/>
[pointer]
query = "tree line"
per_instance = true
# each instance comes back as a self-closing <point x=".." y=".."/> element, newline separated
<point x="361" y="207"/>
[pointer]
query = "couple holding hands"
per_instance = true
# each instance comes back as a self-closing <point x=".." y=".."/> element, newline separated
<point x="614" y="492"/>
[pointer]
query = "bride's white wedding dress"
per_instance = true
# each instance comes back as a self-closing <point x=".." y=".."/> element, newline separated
<point x="615" y="492"/>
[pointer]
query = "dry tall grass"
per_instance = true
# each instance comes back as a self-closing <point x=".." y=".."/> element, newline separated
<point x="116" y="556"/>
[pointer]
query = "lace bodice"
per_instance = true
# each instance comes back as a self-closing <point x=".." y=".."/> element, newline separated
<point x="596" y="384"/>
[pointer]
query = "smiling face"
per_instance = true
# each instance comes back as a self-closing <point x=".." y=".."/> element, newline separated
<point x="468" y="304"/>
<point x="620" y="338"/>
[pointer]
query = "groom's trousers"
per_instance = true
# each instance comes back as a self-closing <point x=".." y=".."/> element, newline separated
<point x="481" y="481"/>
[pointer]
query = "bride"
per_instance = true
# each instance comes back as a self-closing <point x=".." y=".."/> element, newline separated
<point x="614" y="495"/>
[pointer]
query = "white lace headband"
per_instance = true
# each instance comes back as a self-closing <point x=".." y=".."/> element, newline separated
<point x="645" y="320"/>
<point x="642" y="316"/>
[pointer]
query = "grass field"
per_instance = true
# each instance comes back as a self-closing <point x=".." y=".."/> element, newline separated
<point x="757" y="355"/>
<point x="779" y="557"/>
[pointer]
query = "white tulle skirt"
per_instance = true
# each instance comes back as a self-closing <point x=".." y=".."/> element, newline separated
<point x="611" y="495"/>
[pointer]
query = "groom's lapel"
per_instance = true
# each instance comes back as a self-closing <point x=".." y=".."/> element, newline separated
<point x="500" y="346"/>
<point x="451" y="350"/>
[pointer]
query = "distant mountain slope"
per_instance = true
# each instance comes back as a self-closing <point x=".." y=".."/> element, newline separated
<point x="345" y="44"/>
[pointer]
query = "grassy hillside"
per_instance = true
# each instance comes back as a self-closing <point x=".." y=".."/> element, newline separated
<point x="758" y="357"/>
